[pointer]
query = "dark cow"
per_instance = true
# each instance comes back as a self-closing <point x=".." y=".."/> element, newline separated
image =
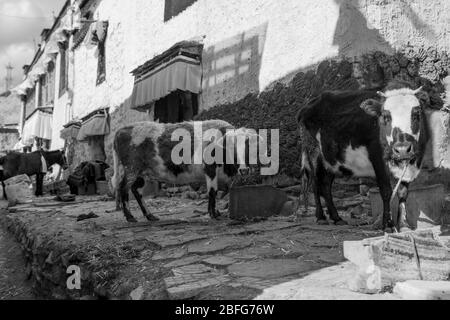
<point x="143" y="152"/>
<point x="15" y="163"/>
<point x="364" y="133"/>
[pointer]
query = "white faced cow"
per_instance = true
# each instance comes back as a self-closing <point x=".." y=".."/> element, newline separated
<point x="144" y="152"/>
<point x="364" y="133"/>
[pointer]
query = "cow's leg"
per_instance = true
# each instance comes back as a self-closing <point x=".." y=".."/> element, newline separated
<point x="402" y="213"/>
<point x="325" y="182"/>
<point x="39" y="184"/>
<point x="138" y="184"/>
<point x="321" y="218"/>
<point x="118" y="200"/>
<point x="384" y="184"/>
<point x="212" y="187"/>
<point x="123" y="189"/>
<point x="4" y="190"/>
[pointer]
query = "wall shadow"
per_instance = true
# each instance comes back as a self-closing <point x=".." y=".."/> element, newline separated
<point x="231" y="67"/>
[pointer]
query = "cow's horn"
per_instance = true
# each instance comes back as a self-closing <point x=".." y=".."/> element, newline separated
<point x="381" y="94"/>
<point x="418" y="90"/>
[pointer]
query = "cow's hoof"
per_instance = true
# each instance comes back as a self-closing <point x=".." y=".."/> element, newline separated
<point x="389" y="230"/>
<point x="214" y="214"/>
<point x="405" y="229"/>
<point x="151" y="217"/>
<point x="322" y="222"/>
<point x="131" y="219"/>
<point x="341" y="222"/>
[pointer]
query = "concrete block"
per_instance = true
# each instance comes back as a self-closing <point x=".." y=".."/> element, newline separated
<point x="423" y="290"/>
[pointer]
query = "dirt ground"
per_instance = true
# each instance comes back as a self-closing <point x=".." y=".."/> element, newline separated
<point x="14" y="284"/>
<point x="186" y="255"/>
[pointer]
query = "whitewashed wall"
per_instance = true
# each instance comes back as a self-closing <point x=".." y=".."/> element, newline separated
<point x="250" y="44"/>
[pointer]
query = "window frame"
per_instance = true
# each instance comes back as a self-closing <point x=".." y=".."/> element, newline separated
<point x="63" y="68"/>
<point x="169" y="8"/>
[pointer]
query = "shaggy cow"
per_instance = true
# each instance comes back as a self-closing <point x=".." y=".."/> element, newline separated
<point x="364" y="134"/>
<point x="143" y="152"/>
<point x="34" y="163"/>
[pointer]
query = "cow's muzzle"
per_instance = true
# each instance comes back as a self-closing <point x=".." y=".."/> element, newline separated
<point x="403" y="151"/>
<point x="244" y="171"/>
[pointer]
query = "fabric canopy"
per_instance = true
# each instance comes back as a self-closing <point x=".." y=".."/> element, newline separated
<point x="97" y="125"/>
<point x="38" y="125"/>
<point x="70" y="130"/>
<point x="180" y="73"/>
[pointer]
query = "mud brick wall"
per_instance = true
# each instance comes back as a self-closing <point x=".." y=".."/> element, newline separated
<point x="277" y="108"/>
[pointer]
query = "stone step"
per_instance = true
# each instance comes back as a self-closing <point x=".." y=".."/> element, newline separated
<point x="423" y="290"/>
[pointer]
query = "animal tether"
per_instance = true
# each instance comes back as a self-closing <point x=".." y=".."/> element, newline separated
<point x="397" y="186"/>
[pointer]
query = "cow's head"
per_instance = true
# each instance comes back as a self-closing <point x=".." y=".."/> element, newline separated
<point x="237" y="143"/>
<point x="402" y="123"/>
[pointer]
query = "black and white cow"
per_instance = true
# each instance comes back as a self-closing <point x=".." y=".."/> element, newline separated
<point x="144" y="152"/>
<point x="364" y="133"/>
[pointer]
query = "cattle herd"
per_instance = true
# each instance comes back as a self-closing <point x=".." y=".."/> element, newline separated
<point x="379" y="133"/>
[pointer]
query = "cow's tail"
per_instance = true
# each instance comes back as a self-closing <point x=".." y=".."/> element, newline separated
<point x="117" y="177"/>
<point x="306" y="175"/>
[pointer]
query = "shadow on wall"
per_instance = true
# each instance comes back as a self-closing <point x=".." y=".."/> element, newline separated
<point x="352" y="34"/>
<point x="375" y="63"/>
<point x="417" y="22"/>
<point x="231" y="68"/>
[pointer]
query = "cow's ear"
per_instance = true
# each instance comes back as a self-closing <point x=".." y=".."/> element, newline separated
<point x="423" y="97"/>
<point x="372" y="107"/>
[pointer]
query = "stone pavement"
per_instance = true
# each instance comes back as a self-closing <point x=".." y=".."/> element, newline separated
<point x="185" y="255"/>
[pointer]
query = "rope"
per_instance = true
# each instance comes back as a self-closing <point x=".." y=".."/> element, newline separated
<point x="396" y="188"/>
<point x="416" y="256"/>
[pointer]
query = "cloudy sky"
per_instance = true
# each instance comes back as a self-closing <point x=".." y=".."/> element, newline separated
<point x="21" y="21"/>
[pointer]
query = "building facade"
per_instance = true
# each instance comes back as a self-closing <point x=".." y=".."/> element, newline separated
<point x="250" y="62"/>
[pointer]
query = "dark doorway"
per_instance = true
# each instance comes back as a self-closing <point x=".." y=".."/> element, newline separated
<point x="178" y="106"/>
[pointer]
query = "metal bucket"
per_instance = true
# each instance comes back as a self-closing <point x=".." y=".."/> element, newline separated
<point x="424" y="205"/>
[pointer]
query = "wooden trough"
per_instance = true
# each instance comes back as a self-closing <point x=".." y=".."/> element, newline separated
<point x="258" y="201"/>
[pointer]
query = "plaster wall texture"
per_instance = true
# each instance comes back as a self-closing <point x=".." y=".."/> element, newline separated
<point x="248" y="45"/>
<point x="8" y="140"/>
<point x="60" y="110"/>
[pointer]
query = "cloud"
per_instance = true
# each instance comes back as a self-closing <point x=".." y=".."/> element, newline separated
<point x="17" y="54"/>
<point x="21" y="21"/>
<point x="20" y="29"/>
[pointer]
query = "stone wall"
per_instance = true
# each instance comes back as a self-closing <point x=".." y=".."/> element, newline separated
<point x="263" y="58"/>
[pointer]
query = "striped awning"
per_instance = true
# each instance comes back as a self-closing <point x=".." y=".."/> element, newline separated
<point x="96" y="124"/>
<point x="180" y="73"/>
<point x="70" y="130"/>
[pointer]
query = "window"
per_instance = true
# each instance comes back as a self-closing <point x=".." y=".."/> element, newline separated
<point x="178" y="106"/>
<point x="42" y="93"/>
<point x="99" y="37"/>
<point x="46" y="92"/>
<point x="64" y="69"/>
<point x="50" y="90"/>
<point x="175" y="7"/>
